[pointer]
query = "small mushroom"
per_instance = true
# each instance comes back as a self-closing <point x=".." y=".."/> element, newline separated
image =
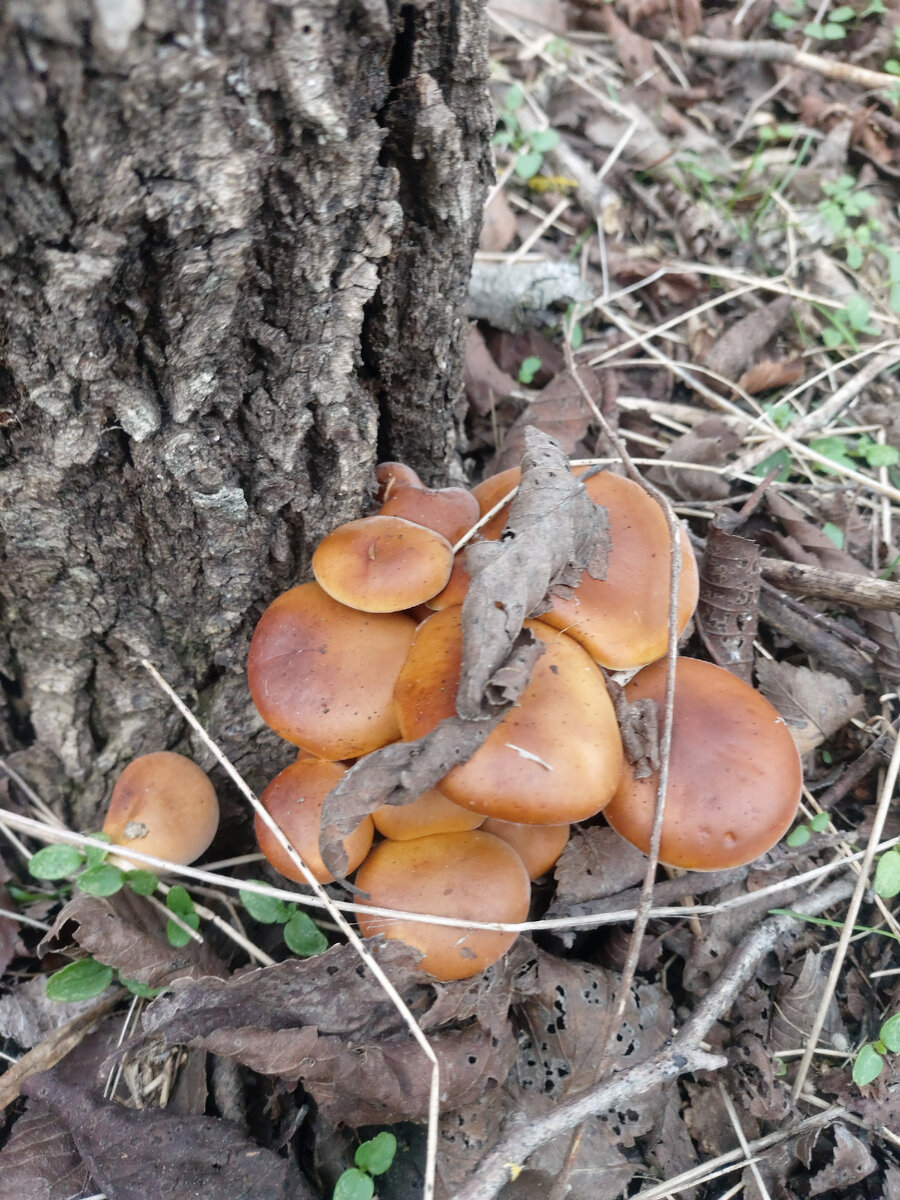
<point x="382" y="564"/>
<point x="294" y="800"/>
<point x="734" y="772"/>
<point x="431" y="813"/>
<point x="538" y="846"/>
<point x="165" y="806"/>
<point x="622" y="620"/>
<point x="322" y="675"/>
<point x="471" y="876"/>
<point x="389" y="474"/>
<point x="450" y="511"/>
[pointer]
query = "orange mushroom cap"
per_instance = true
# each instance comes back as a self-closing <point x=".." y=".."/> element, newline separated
<point x="389" y="474"/>
<point x="450" y="511"/>
<point x="487" y="493"/>
<point x="471" y="876"/>
<point x="734" y="772"/>
<point x="322" y="675"/>
<point x="554" y="758"/>
<point x="382" y="564"/>
<point x="538" y="846"/>
<point x="622" y="621"/>
<point x="165" y="806"/>
<point x="294" y="800"/>
<point x="431" y="813"/>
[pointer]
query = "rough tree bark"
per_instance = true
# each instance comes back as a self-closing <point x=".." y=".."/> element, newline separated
<point x="235" y="239"/>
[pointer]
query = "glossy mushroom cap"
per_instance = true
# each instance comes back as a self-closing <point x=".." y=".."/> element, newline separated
<point x="382" y="564"/>
<point x="487" y="494"/>
<point x="554" y="758"/>
<point x="471" y="876"/>
<point x="294" y="799"/>
<point x="449" y="511"/>
<point x="163" y="805"/>
<point x="734" y="773"/>
<point x="322" y="675"/>
<point x="538" y="846"/>
<point x="622" y="621"/>
<point x="389" y="474"/>
<point x="431" y="813"/>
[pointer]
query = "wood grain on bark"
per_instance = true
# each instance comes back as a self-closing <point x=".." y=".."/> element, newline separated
<point x="235" y="240"/>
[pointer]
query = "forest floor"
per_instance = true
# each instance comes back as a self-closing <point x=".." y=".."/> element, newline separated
<point x="697" y="208"/>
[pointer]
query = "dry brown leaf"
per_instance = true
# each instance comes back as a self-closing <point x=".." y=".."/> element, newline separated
<point x="403" y="771"/>
<point x="709" y="443"/>
<point x="743" y="341"/>
<point x="553" y="533"/>
<point x="797" y="1002"/>
<point x="327" y="1022"/>
<point x="596" y="863"/>
<point x="768" y="374"/>
<point x="40" y="1162"/>
<point x="852" y="1162"/>
<point x="168" y="1156"/>
<point x="559" y="410"/>
<point x="485" y="382"/>
<point x="498" y="224"/>
<point x="126" y="932"/>
<point x="814" y="705"/>
<point x="634" y="52"/>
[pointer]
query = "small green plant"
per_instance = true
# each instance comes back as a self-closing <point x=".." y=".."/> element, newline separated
<point x="85" y="978"/>
<point x="301" y="934"/>
<point x="844" y="212"/>
<point x="846" y="325"/>
<point x="801" y="834"/>
<point x="529" y="368"/>
<point x="850" y="453"/>
<point x="373" y="1157"/>
<point x="93" y="874"/>
<point x="887" y="875"/>
<point x="869" y="1062"/>
<point x="529" y="148"/>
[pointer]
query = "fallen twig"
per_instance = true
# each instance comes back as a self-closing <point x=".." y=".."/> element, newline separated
<point x="784" y="52"/>
<point x="682" y="1055"/>
<point x="842" y="586"/>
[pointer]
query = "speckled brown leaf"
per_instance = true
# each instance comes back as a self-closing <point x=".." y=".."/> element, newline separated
<point x="814" y="704"/>
<point x="327" y="1023"/>
<point x="729" y="598"/>
<point x="596" y="863"/>
<point x="135" y="1154"/>
<point x="559" y="1055"/>
<point x="126" y="932"/>
<point x="852" y="1162"/>
<point x="553" y="533"/>
<point x="40" y="1162"/>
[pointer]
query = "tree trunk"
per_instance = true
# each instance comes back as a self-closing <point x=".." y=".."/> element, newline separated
<point x="234" y="252"/>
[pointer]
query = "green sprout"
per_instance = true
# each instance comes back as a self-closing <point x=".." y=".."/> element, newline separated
<point x="373" y="1157"/>
<point x="801" y="834"/>
<point x="529" y="148"/>
<point x="869" y="1062"/>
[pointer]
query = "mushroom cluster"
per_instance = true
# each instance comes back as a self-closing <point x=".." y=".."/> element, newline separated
<point x="370" y="653"/>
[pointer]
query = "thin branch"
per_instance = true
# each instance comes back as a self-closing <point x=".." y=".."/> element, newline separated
<point x="684" y="1054"/>
<point x="584" y="921"/>
<point x="784" y="52"/>
<point x="846" y="588"/>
